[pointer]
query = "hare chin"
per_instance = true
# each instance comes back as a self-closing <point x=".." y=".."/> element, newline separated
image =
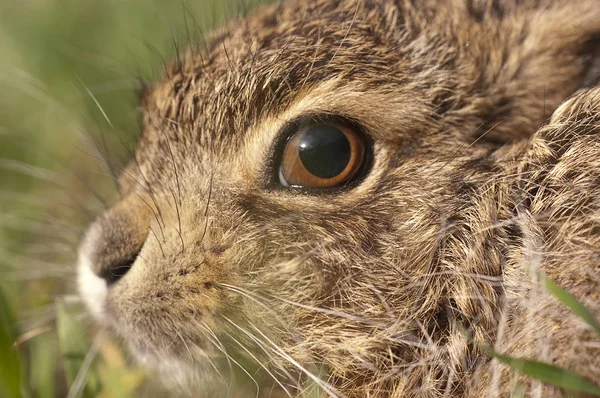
<point x="179" y="373"/>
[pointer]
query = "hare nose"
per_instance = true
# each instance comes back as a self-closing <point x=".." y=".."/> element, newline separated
<point x="117" y="238"/>
<point x="111" y="272"/>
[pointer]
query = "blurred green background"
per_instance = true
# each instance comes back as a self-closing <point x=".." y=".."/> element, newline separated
<point x="67" y="68"/>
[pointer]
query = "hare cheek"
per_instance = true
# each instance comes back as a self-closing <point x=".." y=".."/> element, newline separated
<point x="92" y="288"/>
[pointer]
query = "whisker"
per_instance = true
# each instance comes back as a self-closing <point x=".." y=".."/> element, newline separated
<point x="256" y="298"/>
<point x="177" y="200"/>
<point x="32" y="171"/>
<point x="185" y="344"/>
<point x="324" y="385"/>
<point x="174" y="165"/>
<point x="156" y="218"/>
<point x="210" y="186"/>
<point x="158" y="241"/>
<point x="148" y="188"/>
<point x="214" y="339"/>
<point x="210" y="361"/>
<point x="263" y="346"/>
<point x="178" y="220"/>
<point x="256" y="359"/>
<point x="248" y="294"/>
<point x="65" y="236"/>
<point x="106" y="157"/>
<point x="221" y="348"/>
<point x="54" y="179"/>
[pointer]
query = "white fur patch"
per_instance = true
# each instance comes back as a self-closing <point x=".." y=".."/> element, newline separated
<point x="92" y="288"/>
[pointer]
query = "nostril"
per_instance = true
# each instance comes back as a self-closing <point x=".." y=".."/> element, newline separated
<point x="114" y="241"/>
<point x="115" y="270"/>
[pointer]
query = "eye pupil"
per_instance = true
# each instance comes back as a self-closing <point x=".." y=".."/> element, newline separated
<point x="324" y="151"/>
<point x="319" y="154"/>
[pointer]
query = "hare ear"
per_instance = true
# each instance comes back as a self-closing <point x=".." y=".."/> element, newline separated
<point x="560" y="50"/>
<point x="532" y="55"/>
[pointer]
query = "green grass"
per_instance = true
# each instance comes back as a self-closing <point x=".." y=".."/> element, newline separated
<point x="9" y="365"/>
<point x="57" y="58"/>
<point x="568" y="381"/>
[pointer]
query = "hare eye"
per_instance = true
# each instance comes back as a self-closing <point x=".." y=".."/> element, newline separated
<point x="321" y="156"/>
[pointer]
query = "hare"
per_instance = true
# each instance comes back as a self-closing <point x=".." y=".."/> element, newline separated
<point x="361" y="196"/>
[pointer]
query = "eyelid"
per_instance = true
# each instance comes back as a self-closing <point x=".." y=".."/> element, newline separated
<point x="288" y="130"/>
<point x="295" y="173"/>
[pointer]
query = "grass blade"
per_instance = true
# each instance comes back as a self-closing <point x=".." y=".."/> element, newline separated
<point x="9" y="360"/>
<point x="572" y="303"/>
<point x="74" y="346"/>
<point x="549" y="374"/>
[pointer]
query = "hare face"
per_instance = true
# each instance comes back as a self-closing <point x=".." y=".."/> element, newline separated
<point x="311" y="188"/>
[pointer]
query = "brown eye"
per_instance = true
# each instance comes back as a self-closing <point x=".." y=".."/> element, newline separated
<point x="321" y="156"/>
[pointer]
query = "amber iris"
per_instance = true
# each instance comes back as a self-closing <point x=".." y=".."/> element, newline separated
<point x="321" y="156"/>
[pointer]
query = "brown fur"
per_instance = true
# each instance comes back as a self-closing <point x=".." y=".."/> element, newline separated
<point x="373" y="290"/>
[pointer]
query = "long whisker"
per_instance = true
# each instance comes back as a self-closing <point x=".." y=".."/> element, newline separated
<point x="263" y="346"/>
<point x="53" y="178"/>
<point x="32" y="171"/>
<point x="250" y="295"/>
<point x="209" y="359"/>
<point x="157" y="221"/>
<point x="148" y="188"/>
<point x="210" y="187"/>
<point x="256" y="359"/>
<point x="174" y="167"/>
<point x="278" y="350"/>
<point x="185" y="344"/>
<point x="214" y="340"/>
<point x="62" y="235"/>
<point x="257" y="299"/>
<point x="178" y="220"/>
<point x="105" y="116"/>
<point x="177" y="200"/>
<point x="221" y="348"/>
